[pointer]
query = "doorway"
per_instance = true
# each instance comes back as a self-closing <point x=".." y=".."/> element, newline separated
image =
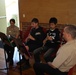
<point x="12" y="11"/>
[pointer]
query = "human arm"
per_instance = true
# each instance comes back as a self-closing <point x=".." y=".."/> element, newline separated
<point x="47" y="38"/>
<point x="50" y="64"/>
<point x="30" y="37"/>
<point x="62" y="57"/>
<point x="38" y="34"/>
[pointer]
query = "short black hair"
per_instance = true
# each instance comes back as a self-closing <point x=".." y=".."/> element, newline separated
<point x="13" y="20"/>
<point x="35" y="20"/>
<point x="53" y="20"/>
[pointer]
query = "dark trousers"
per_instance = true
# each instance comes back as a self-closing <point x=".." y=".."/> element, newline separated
<point x="50" y="54"/>
<point x="41" y="69"/>
<point x="10" y="52"/>
<point x="47" y="53"/>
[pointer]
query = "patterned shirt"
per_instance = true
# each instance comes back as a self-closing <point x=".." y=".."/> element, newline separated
<point x="13" y="31"/>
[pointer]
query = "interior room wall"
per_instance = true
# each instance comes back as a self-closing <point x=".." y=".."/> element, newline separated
<point x="3" y="23"/>
<point x="64" y="10"/>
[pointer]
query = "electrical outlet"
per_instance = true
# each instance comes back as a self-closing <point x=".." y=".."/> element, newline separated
<point x="23" y="15"/>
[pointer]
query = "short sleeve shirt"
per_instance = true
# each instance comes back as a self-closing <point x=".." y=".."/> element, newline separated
<point x="66" y="57"/>
<point x="13" y="31"/>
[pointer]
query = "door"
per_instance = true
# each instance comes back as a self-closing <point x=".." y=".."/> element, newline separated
<point x="3" y="23"/>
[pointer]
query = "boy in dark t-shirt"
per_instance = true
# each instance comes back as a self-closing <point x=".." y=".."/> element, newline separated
<point x="53" y="34"/>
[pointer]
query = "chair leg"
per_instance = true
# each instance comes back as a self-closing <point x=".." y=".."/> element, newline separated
<point x="20" y="64"/>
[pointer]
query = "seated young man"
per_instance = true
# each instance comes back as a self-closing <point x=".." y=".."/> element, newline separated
<point x="34" y="40"/>
<point x="51" y="41"/>
<point x="65" y="58"/>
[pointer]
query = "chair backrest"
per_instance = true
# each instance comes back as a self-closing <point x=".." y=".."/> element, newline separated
<point x="71" y="71"/>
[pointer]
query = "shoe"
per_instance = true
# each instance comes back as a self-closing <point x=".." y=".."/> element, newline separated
<point x="22" y="61"/>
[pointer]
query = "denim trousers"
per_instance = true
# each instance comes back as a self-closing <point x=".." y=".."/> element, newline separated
<point x="47" y="52"/>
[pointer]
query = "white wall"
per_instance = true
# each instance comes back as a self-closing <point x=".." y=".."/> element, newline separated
<point x="3" y="23"/>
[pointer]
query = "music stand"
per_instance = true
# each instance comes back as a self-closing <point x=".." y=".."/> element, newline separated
<point x="21" y="46"/>
<point x="22" y="50"/>
<point x="5" y="40"/>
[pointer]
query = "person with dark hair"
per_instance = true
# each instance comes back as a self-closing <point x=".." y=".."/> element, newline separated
<point x="53" y="20"/>
<point x="34" y="40"/>
<point x="12" y="31"/>
<point x="51" y="41"/>
<point x="65" y="58"/>
<point x="13" y="20"/>
<point x="35" y="37"/>
<point x="35" y="20"/>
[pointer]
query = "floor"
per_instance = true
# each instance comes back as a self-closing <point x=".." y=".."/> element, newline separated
<point x="14" y="70"/>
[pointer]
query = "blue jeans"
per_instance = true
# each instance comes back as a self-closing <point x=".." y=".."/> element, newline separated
<point x="41" y="50"/>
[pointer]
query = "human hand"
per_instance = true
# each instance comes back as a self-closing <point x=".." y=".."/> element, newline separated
<point x="49" y="38"/>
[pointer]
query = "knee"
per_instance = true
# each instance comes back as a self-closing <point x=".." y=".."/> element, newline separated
<point x="36" y="51"/>
<point x="45" y="56"/>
